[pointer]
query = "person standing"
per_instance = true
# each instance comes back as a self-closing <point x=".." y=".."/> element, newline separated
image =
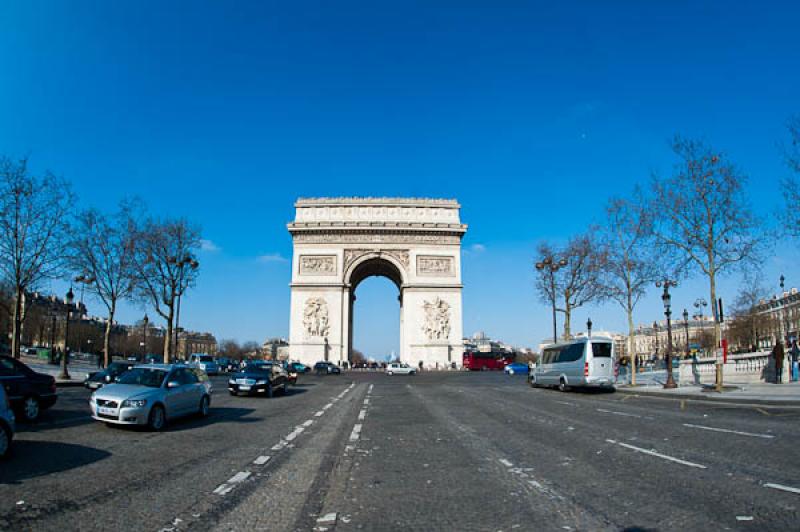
<point x="778" y="354"/>
<point x="794" y="356"/>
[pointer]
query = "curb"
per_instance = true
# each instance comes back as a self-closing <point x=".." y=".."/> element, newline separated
<point x="711" y="397"/>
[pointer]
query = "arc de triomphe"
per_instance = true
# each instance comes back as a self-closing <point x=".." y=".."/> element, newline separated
<point x="339" y="242"/>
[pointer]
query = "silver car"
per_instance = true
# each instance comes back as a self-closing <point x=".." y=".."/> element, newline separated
<point x="151" y="394"/>
<point x="6" y="423"/>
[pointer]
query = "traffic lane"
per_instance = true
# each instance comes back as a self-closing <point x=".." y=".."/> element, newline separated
<point x="408" y="466"/>
<point x="573" y="449"/>
<point x="135" y="469"/>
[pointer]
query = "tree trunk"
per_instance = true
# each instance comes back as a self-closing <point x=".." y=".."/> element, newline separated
<point x="567" y="316"/>
<point x="16" y="332"/>
<point x="712" y="276"/>
<point x="631" y="343"/>
<point x="107" y="336"/>
<point x="168" y="337"/>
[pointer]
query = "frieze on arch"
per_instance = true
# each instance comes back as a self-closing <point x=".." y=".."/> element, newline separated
<point x="401" y="255"/>
<point x="376" y="238"/>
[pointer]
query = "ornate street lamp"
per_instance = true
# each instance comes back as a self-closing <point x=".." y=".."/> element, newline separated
<point x="655" y="331"/>
<point x="667" y="300"/>
<point x="552" y="267"/>
<point x="65" y="356"/>
<point x="783" y="310"/>
<point x="589" y="327"/>
<point x="145" y="321"/>
<point x="686" y="325"/>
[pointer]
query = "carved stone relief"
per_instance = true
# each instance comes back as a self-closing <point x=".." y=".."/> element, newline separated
<point x="315" y="317"/>
<point x="437" y="319"/>
<point x="370" y="238"/>
<point x="401" y="255"/>
<point x="318" y="264"/>
<point x="435" y="266"/>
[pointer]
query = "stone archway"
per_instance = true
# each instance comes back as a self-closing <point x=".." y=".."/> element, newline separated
<point x="338" y="242"/>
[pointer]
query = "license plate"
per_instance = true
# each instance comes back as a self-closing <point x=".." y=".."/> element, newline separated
<point x="244" y="388"/>
<point x="105" y="410"/>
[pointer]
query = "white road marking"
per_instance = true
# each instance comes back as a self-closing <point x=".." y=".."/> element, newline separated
<point x="278" y="446"/>
<point x="659" y="455"/>
<point x="307" y="423"/>
<point x="328" y="519"/>
<point x="565" y="403"/>
<point x="715" y="429"/>
<point x="617" y="413"/>
<point x="327" y="406"/>
<point x="744" y="517"/>
<point x="318" y="414"/>
<point x="505" y="462"/>
<point x="294" y="434"/>
<point x="366" y="401"/>
<point x="261" y="460"/>
<point x="782" y="488"/>
<point x="356" y="432"/>
<point x="370" y="388"/>
<point x="241" y="476"/>
<point x="362" y="415"/>
<point x="223" y="489"/>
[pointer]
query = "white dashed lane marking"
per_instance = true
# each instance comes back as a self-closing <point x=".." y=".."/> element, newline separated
<point x="319" y="414"/>
<point x="356" y="432"/>
<point x="617" y="413"/>
<point x="238" y="478"/>
<point x="307" y="423"/>
<point x="782" y="488"/>
<point x="505" y="462"/>
<point x="658" y="455"/>
<point x="362" y="415"/>
<point x="729" y="431"/>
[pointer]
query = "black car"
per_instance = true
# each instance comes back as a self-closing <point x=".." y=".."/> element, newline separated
<point x="326" y="368"/>
<point x="98" y="379"/>
<point x="28" y="392"/>
<point x="259" y="378"/>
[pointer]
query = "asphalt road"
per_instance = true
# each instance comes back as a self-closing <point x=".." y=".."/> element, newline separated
<point x="454" y="451"/>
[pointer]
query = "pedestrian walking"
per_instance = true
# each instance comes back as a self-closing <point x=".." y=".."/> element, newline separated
<point x="794" y="356"/>
<point x="778" y="354"/>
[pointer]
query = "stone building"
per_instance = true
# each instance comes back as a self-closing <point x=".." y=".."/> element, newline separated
<point x="781" y="315"/>
<point x="190" y="342"/>
<point x="275" y="349"/>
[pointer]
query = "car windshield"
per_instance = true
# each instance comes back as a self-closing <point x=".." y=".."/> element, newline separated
<point x="206" y="358"/>
<point x="153" y="378"/>
<point x="258" y="367"/>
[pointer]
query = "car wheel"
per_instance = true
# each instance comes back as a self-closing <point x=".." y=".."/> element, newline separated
<point x="232" y="393"/>
<point x="270" y="391"/>
<point x="5" y="440"/>
<point x="205" y="404"/>
<point x="157" y="418"/>
<point x="534" y="384"/>
<point x="562" y="385"/>
<point x="30" y="409"/>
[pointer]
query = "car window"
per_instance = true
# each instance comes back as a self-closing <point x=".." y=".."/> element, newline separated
<point x="7" y="367"/>
<point x="187" y="377"/>
<point x="144" y="377"/>
<point x="201" y="376"/>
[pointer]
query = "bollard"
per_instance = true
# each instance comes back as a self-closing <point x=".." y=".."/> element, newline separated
<point x="719" y="376"/>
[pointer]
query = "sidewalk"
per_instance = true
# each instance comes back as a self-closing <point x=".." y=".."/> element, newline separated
<point x="78" y="370"/>
<point x="787" y="394"/>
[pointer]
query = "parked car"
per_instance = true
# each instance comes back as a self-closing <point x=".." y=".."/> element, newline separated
<point x="400" y="368"/>
<point x="299" y="367"/>
<point x="6" y="423"/>
<point x="28" y="392"/>
<point x="259" y="378"/>
<point x="291" y="372"/>
<point x="153" y="394"/>
<point x="516" y="368"/>
<point x="98" y="379"/>
<point x="204" y="362"/>
<point x="326" y="368"/>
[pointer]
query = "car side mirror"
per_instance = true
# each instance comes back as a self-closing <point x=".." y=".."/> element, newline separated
<point x="173" y="384"/>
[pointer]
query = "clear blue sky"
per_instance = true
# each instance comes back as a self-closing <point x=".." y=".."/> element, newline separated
<point x="529" y="113"/>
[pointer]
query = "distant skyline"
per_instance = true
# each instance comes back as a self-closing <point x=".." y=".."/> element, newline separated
<point x="531" y="115"/>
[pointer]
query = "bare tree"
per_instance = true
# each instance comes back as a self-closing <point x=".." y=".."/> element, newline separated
<point x="748" y="323"/>
<point x="33" y="227"/>
<point x="790" y="215"/>
<point x="166" y="267"/>
<point x="630" y="264"/>
<point x="701" y="214"/>
<point x="103" y="251"/>
<point x="577" y="281"/>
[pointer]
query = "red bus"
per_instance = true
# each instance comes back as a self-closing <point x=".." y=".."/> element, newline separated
<point x="486" y="360"/>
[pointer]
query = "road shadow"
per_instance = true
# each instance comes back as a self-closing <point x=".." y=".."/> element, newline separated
<point x="217" y="414"/>
<point x="31" y="459"/>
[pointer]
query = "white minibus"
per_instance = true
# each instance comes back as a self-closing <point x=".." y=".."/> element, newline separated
<point x="582" y="362"/>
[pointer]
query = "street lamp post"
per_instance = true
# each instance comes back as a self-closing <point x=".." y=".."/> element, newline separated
<point x="686" y="326"/>
<point x="655" y="331"/>
<point x="145" y="321"/>
<point x="589" y="327"/>
<point x="700" y="304"/>
<point x="65" y="356"/>
<point x="783" y="311"/>
<point x="190" y="261"/>
<point x="667" y="300"/>
<point x="552" y="267"/>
